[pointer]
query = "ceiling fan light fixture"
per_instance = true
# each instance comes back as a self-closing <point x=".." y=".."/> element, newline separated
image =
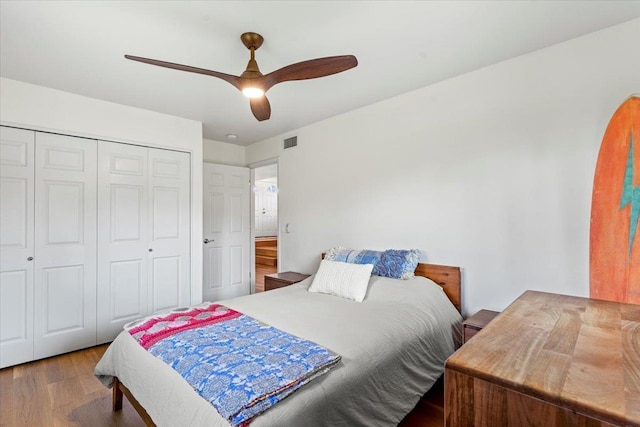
<point x="252" y="92"/>
<point x="254" y="84"/>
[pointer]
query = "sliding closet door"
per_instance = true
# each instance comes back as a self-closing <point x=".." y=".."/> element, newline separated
<point x="169" y="244"/>
<point x="16" y="245"/>
<point x="123" y="236"/>
<point x="65" y="244"/>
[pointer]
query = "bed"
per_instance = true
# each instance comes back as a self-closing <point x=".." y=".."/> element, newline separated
<point x="392" y="346"/>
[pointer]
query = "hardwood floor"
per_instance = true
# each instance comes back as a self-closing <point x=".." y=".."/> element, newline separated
<point x="62" y="392"/>
<point x="266" y="259"/>
<point x="261" y="270"/>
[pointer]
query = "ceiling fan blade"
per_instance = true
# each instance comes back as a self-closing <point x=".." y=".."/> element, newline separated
<point x="261" y="108"/>
<point x="234" y="80"/>
<point x="311" y="69"/>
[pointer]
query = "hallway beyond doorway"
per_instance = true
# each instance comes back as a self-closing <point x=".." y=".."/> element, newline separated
<point x="266" y="259"/>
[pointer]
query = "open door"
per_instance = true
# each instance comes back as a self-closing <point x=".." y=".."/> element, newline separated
<point x="265" y="187"/>
<point x="227" y="234"/>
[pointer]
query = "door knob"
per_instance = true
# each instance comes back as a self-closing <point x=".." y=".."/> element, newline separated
<point x="209" y="241"/>
<point x="150" y="250"/>
<point x="30" y="258"/>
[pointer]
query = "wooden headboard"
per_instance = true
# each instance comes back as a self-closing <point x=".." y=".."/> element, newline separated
<point x="446" y="276"/>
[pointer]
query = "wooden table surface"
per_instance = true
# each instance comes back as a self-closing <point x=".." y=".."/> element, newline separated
<point x="288" y="276"/>
<point x="576" y="353"/>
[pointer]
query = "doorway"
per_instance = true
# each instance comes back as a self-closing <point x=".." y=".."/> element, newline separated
<point x="265" y="222"/>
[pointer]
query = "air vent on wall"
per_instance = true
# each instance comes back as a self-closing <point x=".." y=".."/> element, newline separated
<point x="290" y="142"/>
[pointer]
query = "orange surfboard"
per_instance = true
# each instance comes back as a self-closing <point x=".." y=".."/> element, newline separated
<point x="614" y="250"/>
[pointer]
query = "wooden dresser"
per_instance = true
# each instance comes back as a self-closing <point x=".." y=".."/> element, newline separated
<point x="549" y="360"/>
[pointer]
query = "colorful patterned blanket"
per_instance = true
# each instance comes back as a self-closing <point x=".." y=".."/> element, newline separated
<point x="238" y="364"/>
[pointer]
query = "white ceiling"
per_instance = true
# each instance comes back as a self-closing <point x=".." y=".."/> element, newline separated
<point x="401" y="46"/>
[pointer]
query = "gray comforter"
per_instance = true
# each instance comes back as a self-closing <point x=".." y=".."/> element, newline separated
<point x="393" y="347"/>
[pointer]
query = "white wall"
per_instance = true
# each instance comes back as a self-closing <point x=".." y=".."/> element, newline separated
<point x="223" y="153"/>
<point x="491" y="171"/>
<point x="40" y="108"/>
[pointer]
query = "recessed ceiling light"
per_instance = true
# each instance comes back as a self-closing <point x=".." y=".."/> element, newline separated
<point x="232" y="136"/>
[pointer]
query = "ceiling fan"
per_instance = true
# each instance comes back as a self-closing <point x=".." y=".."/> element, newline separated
<point x="254" y="84"/>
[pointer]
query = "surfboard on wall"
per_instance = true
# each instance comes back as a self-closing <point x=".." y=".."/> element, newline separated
<point x="614" y="249"/>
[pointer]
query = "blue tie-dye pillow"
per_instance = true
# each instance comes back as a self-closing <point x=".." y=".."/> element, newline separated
<point x="397" y="264"/>
<point x="353" y="256"/>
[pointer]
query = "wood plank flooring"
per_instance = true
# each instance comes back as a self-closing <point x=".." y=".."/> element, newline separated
<point x="261" y="270"/>
<point x="62" y="392"/>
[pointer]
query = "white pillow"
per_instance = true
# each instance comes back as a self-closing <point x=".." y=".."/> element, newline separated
<point x="342" y="279"/>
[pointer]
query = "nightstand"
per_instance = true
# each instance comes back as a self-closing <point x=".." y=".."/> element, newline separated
<point x="475" y="323"/>
<point x="280" y="280"/>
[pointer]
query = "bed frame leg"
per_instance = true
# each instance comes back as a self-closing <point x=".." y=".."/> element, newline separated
<point x="117" y="395"/>
<point x="118" y="390"/>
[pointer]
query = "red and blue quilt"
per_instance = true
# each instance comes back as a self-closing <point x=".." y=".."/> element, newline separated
<point x="237" y="363"/>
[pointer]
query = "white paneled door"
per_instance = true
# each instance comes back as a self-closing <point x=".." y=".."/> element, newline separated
<point x="65" y="244"/>
<point x="16" y="245"/>
<point x="266" y="209"/>
<point x="93" y="235"/>
<point x="226" y="232"/>
<point x="123" y="236"/>
<point x="143" y="234"/>
<point x="169" y="241"/>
